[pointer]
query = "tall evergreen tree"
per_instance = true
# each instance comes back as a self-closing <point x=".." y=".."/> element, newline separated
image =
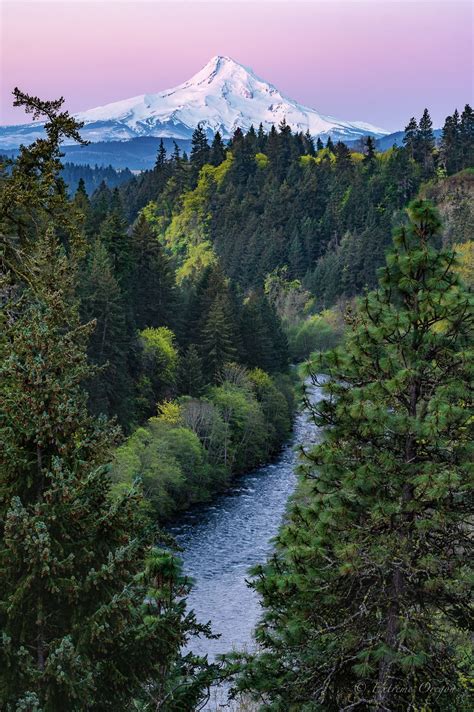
<point x="261" y="139"/>
<point x="217" y="153"/>
<point x="99" y="209"/>
<point x="367" y="598"/>
<point x="309" y="144"/>
<point x="191" y="376"/>
<point x="115" y="237"/>
<point x="426" y="144"/>
<point x="411" y="136"/>
<point x="81" y="199"/>
<point x="217" y="340"/>
<point x="160" y="157"/>
<point x="110" y="345"/>
<point x="152" y="287"/>
<point x="369" y="157"/>
<point x="200" y="152"/>
<point x="466" y="131"/>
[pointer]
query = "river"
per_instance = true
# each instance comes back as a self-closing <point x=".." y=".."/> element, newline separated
<point x="222" y="540"/>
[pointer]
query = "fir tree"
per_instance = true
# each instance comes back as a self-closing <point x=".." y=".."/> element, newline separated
<point x="160" y="157"/>
<point x="261" y="139"/>
<point x="451" y="152"/>
<point x="411" y="137"/>
<point x="367" y="598"/>
<point x="152" y="288"/>
<point x="425" y="145"/>
<point x="99" y="209"/>
<point x="199" y="152"/>
<point x="319" y="144"/>
<point x="81" y="199"/>
<point x="191" y="377"/>
<point x="114" y="235"/>
<point x="217" y="340"/>
<point x="217" y="154"/>
<point x="329" y="144"/>
<point x="369" y="157"/>
<point x="309" y="144"/>
<point x="466" y="131"/>
<point x="111" y="343"/>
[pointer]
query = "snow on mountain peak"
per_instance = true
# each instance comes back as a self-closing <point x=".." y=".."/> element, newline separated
<point x="223" y="96"/>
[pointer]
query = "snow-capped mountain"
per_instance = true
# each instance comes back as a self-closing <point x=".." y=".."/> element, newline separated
<point x="223" y="96"/>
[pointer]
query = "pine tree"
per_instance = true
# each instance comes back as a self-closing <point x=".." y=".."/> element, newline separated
<point x="367" y="598"/>
<point x="319" y="144"/>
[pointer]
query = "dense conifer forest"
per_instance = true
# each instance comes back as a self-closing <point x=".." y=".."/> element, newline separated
<point x="150" y="326"/>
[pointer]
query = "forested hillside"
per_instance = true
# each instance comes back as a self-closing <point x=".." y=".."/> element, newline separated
<point x="241" y="254"/>
<point x="148" y="332"/>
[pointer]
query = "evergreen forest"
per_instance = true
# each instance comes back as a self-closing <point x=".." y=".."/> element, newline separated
<point x="158" y="333"/>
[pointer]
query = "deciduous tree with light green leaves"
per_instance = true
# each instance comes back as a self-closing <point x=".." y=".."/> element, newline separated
<point x="367" y="599"/>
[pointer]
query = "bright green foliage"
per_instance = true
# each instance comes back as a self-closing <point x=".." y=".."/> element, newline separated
<point x="245" y="442"/>
<point x="367" y="598"/>
<point x="160" y="361"/>
<point x="275" y="406"/>
<point x="190" y="451"/>
<point x="198" y="259"/>
<point x="170" y="463"/>
<point x="316" y="333"/>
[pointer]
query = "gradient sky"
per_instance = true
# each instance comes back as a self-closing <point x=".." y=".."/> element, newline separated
<point x="380" y="61"/>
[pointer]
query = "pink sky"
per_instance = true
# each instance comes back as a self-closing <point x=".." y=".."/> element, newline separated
<point x="375" y="60"/>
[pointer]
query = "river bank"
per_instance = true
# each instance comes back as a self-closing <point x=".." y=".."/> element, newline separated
<point x="221" y="541"/>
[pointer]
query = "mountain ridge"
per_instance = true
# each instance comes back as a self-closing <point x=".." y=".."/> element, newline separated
<point x="223" y="96"/>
